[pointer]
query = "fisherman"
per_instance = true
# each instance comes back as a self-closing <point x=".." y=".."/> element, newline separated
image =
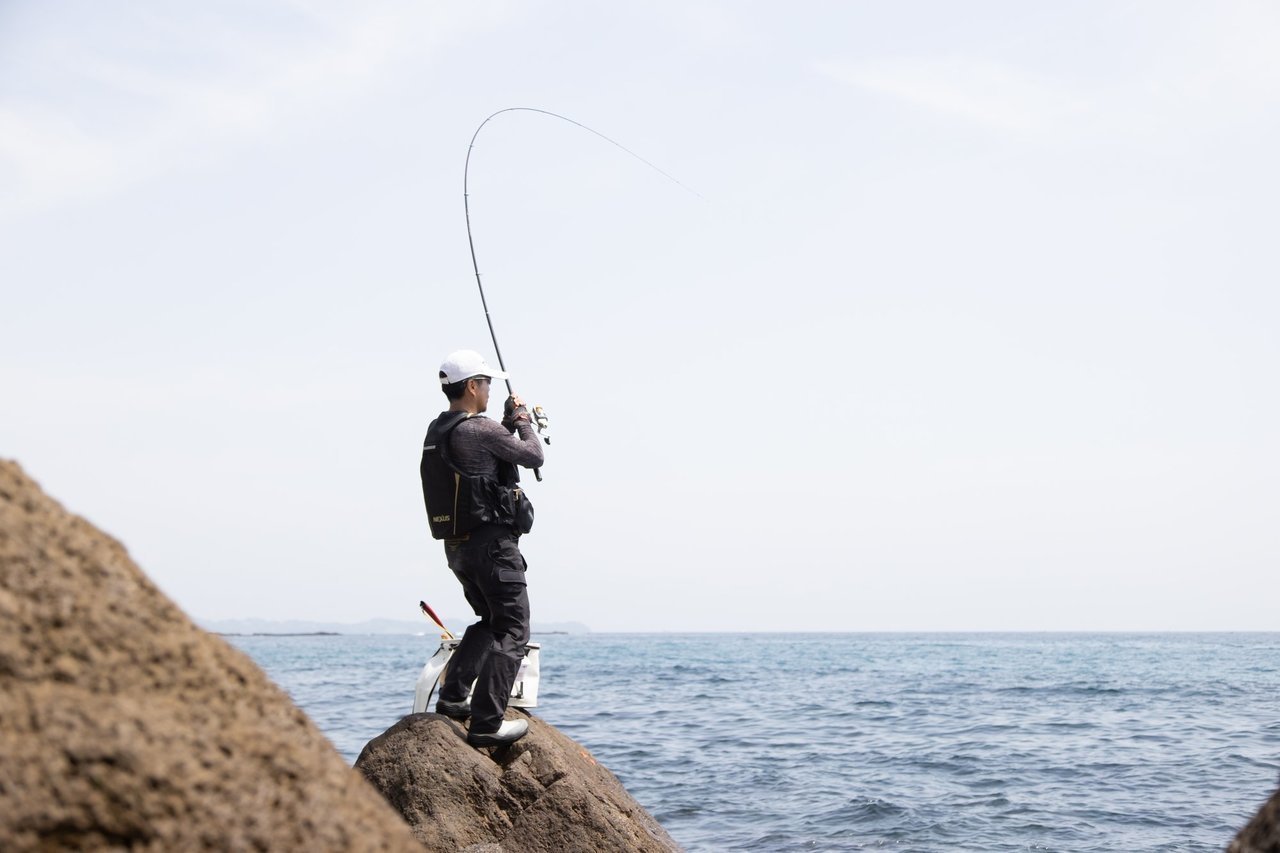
<point x="469" y="482"/>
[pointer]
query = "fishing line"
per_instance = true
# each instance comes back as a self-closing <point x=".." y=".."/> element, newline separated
<point x="539" y="416"/>
<point x="466" y="202"/>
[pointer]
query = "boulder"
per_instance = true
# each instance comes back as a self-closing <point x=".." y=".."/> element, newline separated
<point x="1262" y="834"/>
<point x="123" y="725"/>
<point x="543" y="793"/>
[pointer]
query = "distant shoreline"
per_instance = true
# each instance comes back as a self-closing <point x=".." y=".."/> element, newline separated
<point x="332" y="634"/>
<point x="253" y="627"/>
<point x="280" y="634"/>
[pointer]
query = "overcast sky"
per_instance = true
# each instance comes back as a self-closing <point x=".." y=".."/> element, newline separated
<point x="972" y="323"/>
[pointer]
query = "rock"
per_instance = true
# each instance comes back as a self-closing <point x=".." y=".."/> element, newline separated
<point x="1262" y="834"/>
<point x="124" y="725"/>
<point x="543" y="793"/>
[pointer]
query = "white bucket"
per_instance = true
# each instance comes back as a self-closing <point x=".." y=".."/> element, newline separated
<point x="431" y="675"/>
<point x="524" y="693"/>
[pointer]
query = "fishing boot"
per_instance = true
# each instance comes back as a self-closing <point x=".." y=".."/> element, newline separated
<point x="454" y="710"/>
<point x="509" y="732"/>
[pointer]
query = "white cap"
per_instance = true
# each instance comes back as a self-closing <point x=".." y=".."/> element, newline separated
<point x="464" y="364"/>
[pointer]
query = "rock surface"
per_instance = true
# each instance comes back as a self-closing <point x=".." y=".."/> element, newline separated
<point x="1262" y="834"/>
<point x="123" y="725"/>
<point x="543" y="794"/>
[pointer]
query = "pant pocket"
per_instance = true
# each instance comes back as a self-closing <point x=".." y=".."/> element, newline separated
<point x="509" y="564"/>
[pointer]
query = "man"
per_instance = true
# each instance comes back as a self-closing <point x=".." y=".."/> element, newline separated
<point x="469" y="482"/>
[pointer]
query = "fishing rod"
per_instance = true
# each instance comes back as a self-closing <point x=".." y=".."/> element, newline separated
<point x="539" y="415"/>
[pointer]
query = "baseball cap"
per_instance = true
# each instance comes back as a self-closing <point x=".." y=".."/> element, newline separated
<point x="464" y="364"/>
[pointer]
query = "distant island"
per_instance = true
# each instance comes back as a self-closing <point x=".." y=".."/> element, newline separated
<point x="303" y="628"/>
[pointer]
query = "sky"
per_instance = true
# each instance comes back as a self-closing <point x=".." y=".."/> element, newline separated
<point x="965" y="321"/>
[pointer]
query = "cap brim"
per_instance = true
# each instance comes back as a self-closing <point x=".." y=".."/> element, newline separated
<point x="492" y="374"/>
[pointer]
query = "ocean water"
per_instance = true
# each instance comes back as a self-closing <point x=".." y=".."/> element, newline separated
<point x="919" y="742"/>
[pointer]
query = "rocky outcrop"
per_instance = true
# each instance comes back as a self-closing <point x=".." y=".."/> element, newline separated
<point x="543" y="794"/>
<point x="1262" y="834"/>
<point x="123" y="725"/>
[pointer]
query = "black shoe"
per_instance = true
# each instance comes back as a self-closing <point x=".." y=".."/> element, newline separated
<point x="509" y="732"/>
<point x="454" y="710"/>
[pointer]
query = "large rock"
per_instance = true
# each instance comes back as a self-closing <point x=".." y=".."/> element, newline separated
<point x="543" y="794"/>
<point x="1262" y="834"/>
<point x="124" y="725"/>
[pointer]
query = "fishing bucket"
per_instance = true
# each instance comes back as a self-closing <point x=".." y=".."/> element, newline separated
<point x="524" y="693"/>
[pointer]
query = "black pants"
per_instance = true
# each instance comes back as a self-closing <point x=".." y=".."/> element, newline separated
<point x="491" y="570"/>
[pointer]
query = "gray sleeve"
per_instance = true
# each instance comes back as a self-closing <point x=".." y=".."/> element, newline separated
<point x="524" y="448"/>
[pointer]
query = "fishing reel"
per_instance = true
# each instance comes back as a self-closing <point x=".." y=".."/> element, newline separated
<point x="540" y="421"/>
<point x="539" y="417"/>
<point x="536" y="414"/>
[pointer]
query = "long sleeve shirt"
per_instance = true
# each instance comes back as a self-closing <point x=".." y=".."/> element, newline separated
<point x="478" y="443"/>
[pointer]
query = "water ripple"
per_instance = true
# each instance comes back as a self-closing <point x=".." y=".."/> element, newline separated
<point x="868" y="742"/>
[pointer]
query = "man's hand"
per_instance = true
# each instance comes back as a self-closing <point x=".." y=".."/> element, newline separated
<point x="512" y="411"/>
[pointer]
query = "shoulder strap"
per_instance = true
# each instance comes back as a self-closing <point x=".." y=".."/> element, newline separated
<point x="439" y="433"/>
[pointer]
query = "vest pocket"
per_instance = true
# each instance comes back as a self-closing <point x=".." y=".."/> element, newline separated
<point x="523" y="521"/>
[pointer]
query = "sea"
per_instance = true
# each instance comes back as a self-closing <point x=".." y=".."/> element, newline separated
<point x="914" y="742"/>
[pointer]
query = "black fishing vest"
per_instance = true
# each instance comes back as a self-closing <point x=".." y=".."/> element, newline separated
<point x="458" y="503"/>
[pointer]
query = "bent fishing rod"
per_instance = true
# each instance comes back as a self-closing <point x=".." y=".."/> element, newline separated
<point x="540" y="416"/>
